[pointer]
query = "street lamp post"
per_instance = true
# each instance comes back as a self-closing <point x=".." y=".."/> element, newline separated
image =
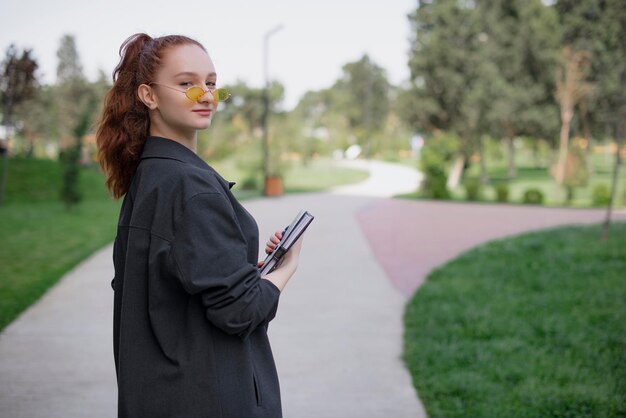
<point x="266" y="104"/>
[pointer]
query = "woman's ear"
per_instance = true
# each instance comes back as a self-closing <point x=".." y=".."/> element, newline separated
<point x="147" y="96"/>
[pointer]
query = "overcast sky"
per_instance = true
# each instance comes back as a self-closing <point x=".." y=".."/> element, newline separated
<point x="318" y="37"/>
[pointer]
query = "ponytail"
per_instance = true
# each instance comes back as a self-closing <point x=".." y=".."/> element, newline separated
<point x="124" y="124"/>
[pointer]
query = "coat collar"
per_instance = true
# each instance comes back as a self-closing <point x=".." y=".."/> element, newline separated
<point x="158" y="147"/>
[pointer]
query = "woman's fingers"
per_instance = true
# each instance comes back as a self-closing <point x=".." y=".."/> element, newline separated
<point x="273" y="241"/>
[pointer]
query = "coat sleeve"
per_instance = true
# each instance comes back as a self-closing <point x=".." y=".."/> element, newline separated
<point x="113" y="279"/>
<point x="209" y="254"/>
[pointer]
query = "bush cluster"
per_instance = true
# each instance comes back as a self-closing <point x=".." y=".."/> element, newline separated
<point x="435" y="158"/>
<point x="533" y="196"/>
<point x="473" y="189"/>
<point x="600" y="195"/>
<point x="502" y="192"/>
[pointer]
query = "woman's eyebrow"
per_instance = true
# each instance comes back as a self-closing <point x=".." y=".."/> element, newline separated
<point x="192" y="74"/>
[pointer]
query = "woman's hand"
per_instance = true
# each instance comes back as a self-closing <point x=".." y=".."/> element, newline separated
<point x="273" y="242"/>
<point x="292" y="257"/>
<point x="271" y="245"/>
<point x="281" y="275"/>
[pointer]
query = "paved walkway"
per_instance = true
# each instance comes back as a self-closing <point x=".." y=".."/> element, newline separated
<point x="410" y="238"/>
<point x="338" y="333"/>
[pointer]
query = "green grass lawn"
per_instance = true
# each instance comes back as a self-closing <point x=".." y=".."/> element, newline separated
<point x="531" y="326"/>
<point x="318" y="175"/>
<point x="40" y="240"/>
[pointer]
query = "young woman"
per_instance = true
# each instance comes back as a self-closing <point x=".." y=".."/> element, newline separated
<point x="190" y="308"/>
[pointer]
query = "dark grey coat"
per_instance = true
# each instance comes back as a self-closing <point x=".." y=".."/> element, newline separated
<point x="190" y="310"/>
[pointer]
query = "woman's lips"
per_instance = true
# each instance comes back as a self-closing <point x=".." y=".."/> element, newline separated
<point x="203" y="112"/>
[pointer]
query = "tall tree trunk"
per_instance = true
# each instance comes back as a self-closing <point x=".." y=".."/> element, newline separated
<point x="571" y="88"/>
<point x="456" y="172"/>
<point x="566" y="118"/>
<point x="584" y="118"/>
<point x="511" y="171"/>
<point x="484" y="176"/>
<point x="618" y="161"/>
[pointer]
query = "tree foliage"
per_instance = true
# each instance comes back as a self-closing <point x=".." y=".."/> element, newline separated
<point x="18" y="83"/>
<point x="76" y="104"/>
<point x="598" y="28"/>
<point x="363" y="94"/>
<point x="482" y="67"/>
<point x="441" y="60"/>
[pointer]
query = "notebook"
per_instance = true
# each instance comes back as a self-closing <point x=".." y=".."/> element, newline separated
<point x="290" y="235"/>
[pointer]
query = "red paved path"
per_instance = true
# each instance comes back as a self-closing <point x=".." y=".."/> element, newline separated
<point x="410" y="238"/>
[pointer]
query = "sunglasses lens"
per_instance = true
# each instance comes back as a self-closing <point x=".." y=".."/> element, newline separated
<point x="194" y="93"/>
<point x="220" y="95"/>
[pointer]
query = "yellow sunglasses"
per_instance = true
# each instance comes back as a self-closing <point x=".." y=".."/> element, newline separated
<point x="194" y="93"/>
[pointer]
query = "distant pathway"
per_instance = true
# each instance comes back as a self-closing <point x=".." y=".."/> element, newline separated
<point x="385" y="180"/>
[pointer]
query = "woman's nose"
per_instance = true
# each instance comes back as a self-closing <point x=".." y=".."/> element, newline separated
<point x="207" y="97"/>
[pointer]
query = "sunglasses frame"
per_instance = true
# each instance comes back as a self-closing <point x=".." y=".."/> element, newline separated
<point x="219" y="95"/>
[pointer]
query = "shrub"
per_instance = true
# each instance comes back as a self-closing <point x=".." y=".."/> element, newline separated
<point x="576" y="168"/>
<point x="533" y="196"/>
<point x="502" y="192"/>
<point x="570" y="192"/>
<point x="600" y="195"/>
<point x="435" y="157"/>
<point x="70" y="192"/>
<point x="435" y="186"/>
<point x="472" y="189"/>
<point x="249" y="183"/>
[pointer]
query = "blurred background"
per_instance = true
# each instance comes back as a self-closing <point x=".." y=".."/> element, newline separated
<point x="494" y="101"/>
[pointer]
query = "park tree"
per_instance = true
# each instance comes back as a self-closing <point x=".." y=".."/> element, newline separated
<point x="363" y="93"/>
<point x="599" y="27"/>
<point x="520" y="39"/>
<point x="571" y="89"/>
<point x="444" y="69"/>
<point x="441" y="46"/>
<point x="580" y="21"/>
<point x="246" y="104"/>
<point x="18" y="83"/>
<point x="38" y="119"/>
<point x="325" y="125"/>
<point x="76" y="105"/>
<point x="482" y="67"/>
<point x="310" y="113"/>
<point x="612" y="85"/>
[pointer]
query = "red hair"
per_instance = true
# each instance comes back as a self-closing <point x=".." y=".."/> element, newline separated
<point x="124" y="124"/>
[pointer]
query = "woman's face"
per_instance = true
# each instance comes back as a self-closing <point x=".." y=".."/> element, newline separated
<point x="183" y="66"/>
